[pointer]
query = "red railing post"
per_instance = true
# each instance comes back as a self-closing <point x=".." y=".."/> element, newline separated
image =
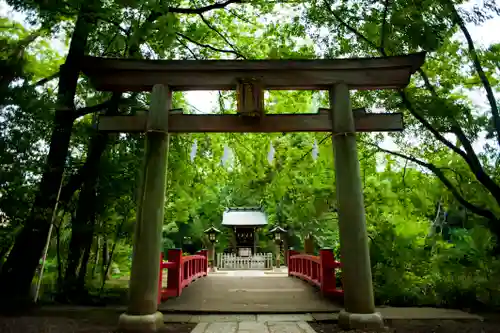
<point x="336" y="292"/>
<point x="174" y="276"/>
<point x="204" y="253"/>
<point x="327" y="272"/>
<point x="292" y="264"/>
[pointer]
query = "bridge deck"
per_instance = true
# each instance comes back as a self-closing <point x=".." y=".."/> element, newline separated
<point x="226" y="294"/>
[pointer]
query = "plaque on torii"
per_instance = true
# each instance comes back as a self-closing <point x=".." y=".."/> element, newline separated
<point x="250" y="79"/>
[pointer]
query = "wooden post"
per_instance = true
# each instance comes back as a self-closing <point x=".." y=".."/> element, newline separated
<point x="174" y="275"/>
<point x="211" y="256"/>
<point x="255" y="240"/>
<point x="278" y="257"/>
<point x="292" y="266"/>
<point x="357" y="277"/>
<point x="285" y="249"/>
<point x="309" y="244"/>
<point x="327" y="274"/>
<point x="143" y="304"/>
<point x="204" y="253"/>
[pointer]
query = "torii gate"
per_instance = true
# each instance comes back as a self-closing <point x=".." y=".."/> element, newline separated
<point x="250" y="79"/>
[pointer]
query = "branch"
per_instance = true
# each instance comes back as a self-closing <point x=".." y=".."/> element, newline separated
<point x="384" y="24"/>
<point x="115" y="100"/>
<point x="206" y="45"/>
<point x="478" y="170"/>
<point x="187" y="47"/>
<point x="469" y="155"/>
<point x="25" y="42"/>
<point x="402" y="93"/>
<point x="429" y="127"/>
<point x="177" y="10"/>
<point x="446" y="182"/>
<point x="241" y="18"/>
<point x="404" y="175"/>
<point x="222" y="36"/>
<point x="116" y="24"/>
<point x="201" y="10"/>
<point x="94" y="108"/>
<point x="354" y="31"/>
<point x="45" y="80"/>
<point x="459" y="178"/>
<point x="73" y="184"/>
<point x="479" y="69"/>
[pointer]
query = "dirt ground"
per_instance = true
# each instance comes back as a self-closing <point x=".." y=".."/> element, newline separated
<point x="421" y="326"/>
<point x="92" y="321"/>
<point x="104" y="320"/>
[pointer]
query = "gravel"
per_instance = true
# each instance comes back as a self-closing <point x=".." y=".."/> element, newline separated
<point x="74" y="323"/>
<point x="420" y="326"/>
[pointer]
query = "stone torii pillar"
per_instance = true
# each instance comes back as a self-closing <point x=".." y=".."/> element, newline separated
<point x="359" y="304"/>
<point x="142" y="313"/>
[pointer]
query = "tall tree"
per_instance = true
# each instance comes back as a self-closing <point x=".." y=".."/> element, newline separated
<point x="435" y="102"/>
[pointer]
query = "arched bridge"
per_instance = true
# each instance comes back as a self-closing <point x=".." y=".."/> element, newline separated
<point x="309" y="284"/>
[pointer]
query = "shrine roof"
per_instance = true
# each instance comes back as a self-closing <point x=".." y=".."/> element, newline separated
<point x="119" y="75"/>
<point x="244" y="217"/>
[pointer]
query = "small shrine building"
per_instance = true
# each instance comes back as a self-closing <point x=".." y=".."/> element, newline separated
<point x="245" y="223"/>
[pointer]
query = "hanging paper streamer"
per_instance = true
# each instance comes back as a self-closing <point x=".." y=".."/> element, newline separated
<point x="194" y="149"/>
<point x="226" y="155"/>
<point x="315" y="151"/>
<point x="270" y="155"/>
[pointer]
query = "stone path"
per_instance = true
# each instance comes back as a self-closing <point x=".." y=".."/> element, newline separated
<point x="254" y="324"/>
<point x="254" y="327"/>
<point x="298" y="323"/>
<point x="388" y="313"/>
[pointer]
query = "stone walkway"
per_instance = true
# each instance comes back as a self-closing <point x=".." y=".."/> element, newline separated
<point x="297" y="323"/>
<point x="254" y="327"/>
<point x="254" y="324"/>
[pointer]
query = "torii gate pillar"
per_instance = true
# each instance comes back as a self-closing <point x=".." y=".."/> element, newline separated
<point x="142" y="314"/>
<point x="357" y="278"/>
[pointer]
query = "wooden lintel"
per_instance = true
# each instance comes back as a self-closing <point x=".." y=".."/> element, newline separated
<point x="121" y="75"/>
<point x="319" y="122"/>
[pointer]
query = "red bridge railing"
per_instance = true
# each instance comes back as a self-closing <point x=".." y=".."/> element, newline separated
<point x="317" y="270"/>
<point x="182" y="270"/>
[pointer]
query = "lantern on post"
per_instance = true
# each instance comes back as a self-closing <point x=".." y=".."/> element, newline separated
<point x="212" y="233"/>
<point x="277" y="232"/>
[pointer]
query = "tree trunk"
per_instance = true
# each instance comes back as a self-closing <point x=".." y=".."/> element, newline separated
<point x="105" y="259"/>
<point x="19" y="269"/>
<point x="59" y="260"/>
<point x="96" y="255"/>
<point x="82" y="228"/>
<point x="80" y="283"/>
<point x="4" y="250"/>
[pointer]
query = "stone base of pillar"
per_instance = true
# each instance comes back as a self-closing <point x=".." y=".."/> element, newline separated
<point x="140" y="323"/>
<point x="371" y="321"/>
